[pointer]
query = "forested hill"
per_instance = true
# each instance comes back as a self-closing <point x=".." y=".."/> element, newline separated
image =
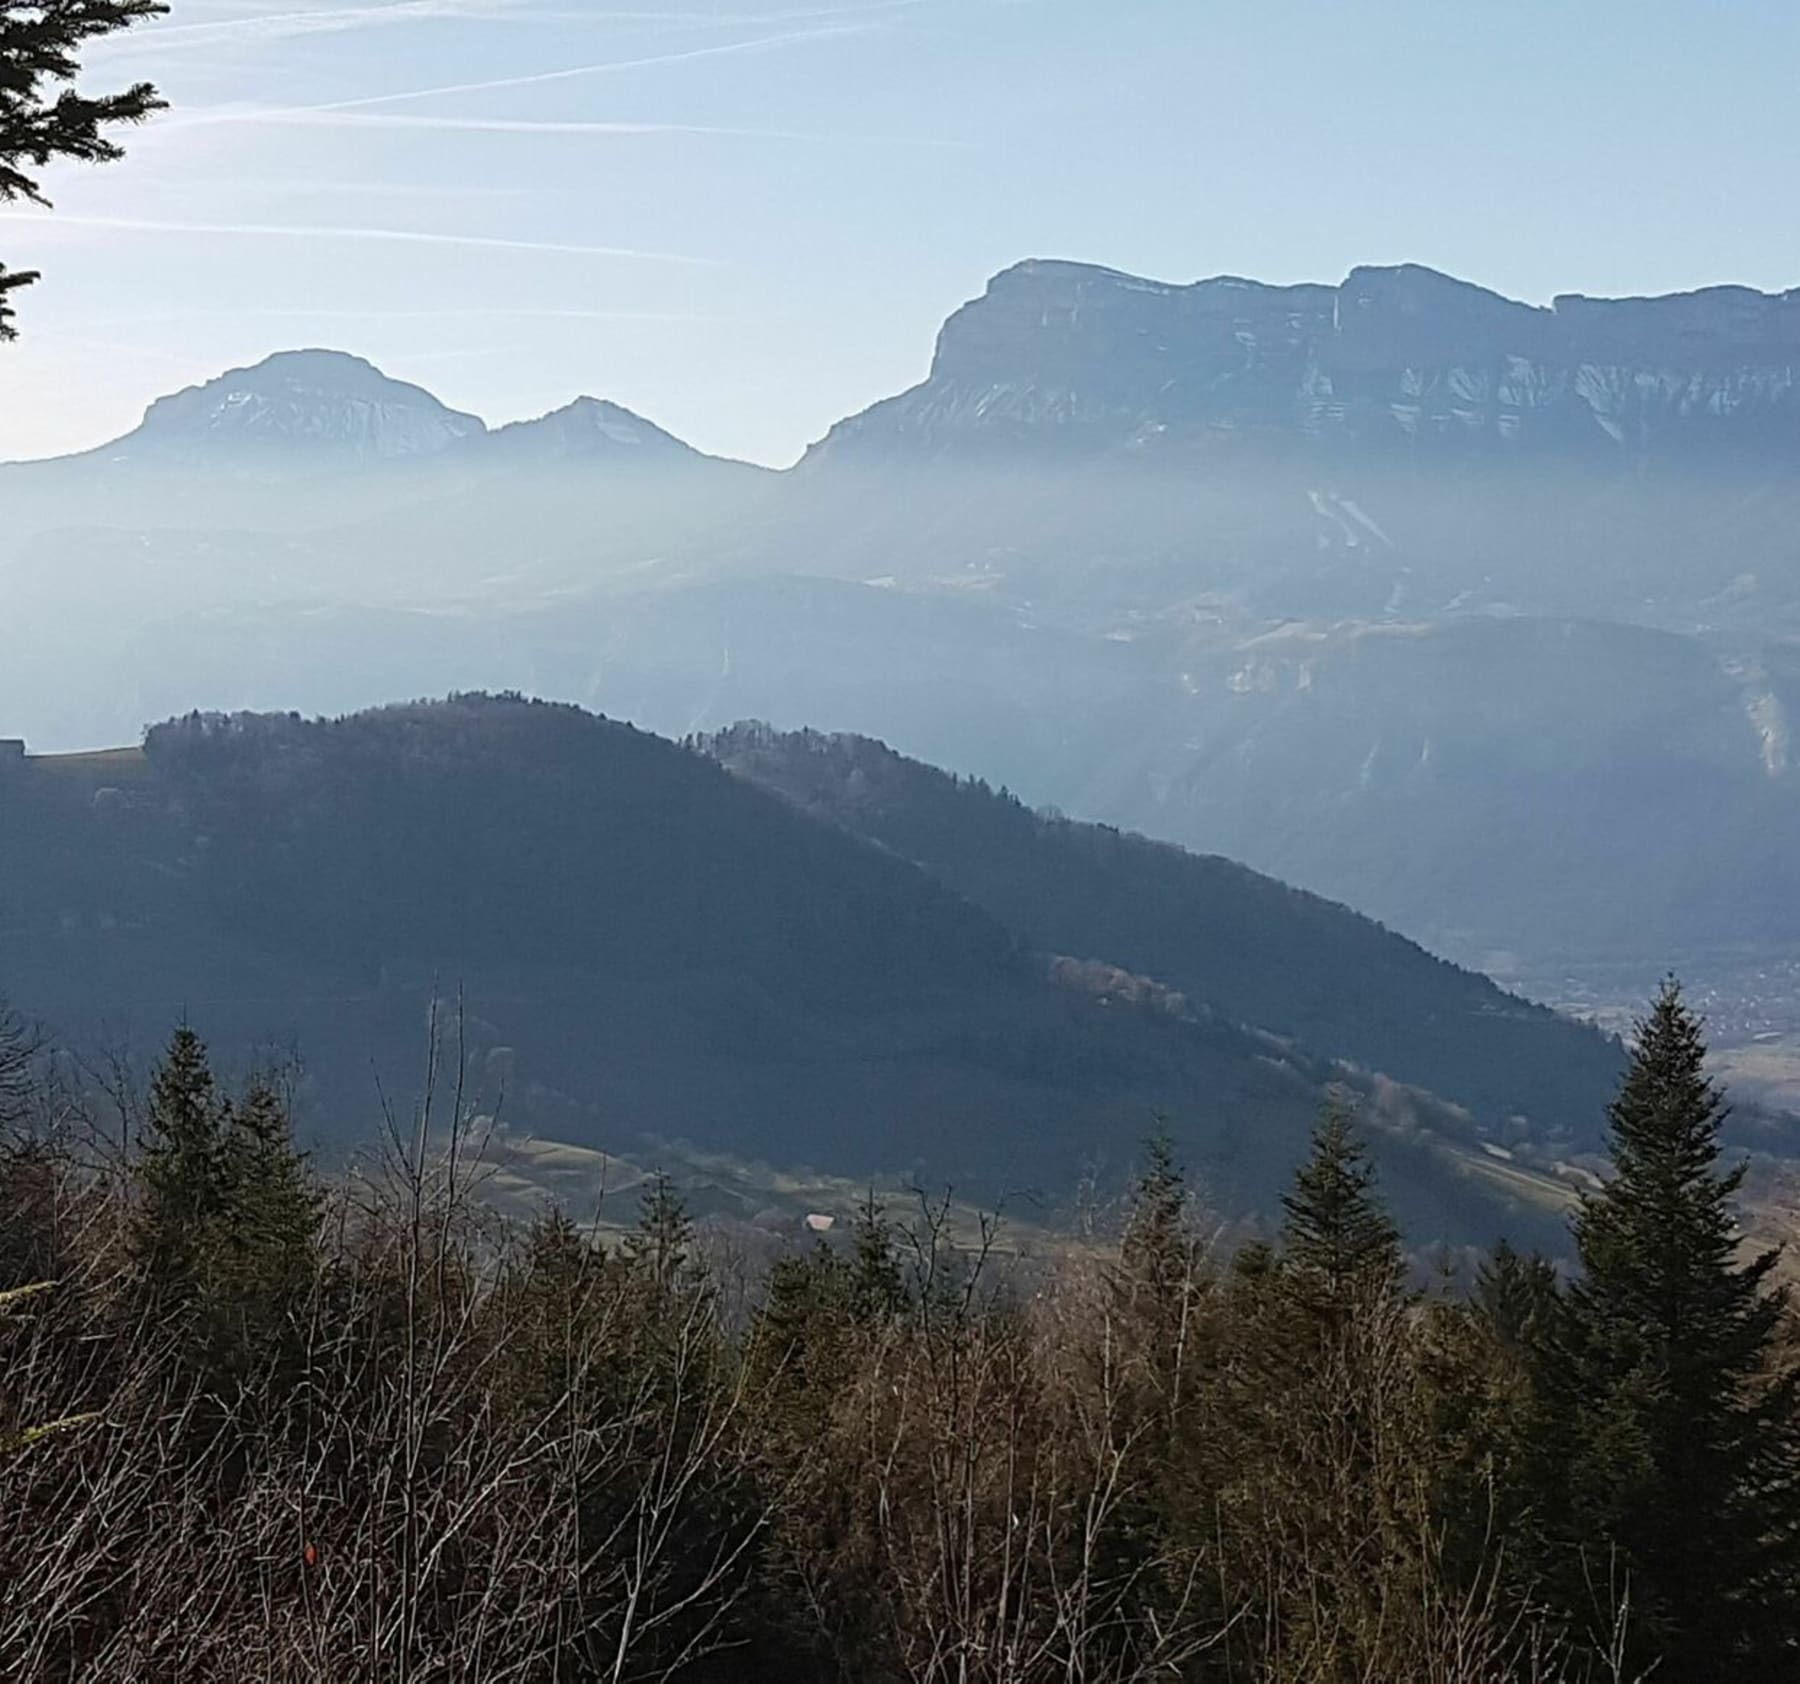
<point x="649" y="947"/>
<point x="1254" y="949"/>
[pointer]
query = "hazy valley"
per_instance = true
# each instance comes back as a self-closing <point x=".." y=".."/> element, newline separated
<point x="1451" y="608"/>
<point x="713" y="971"/>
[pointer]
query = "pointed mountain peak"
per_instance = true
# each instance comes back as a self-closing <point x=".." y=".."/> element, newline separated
<point x="587" y="428"/>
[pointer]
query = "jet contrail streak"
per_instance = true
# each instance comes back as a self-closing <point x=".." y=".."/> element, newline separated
<point x="402" y="236"/>
<point x="571" y="72"/>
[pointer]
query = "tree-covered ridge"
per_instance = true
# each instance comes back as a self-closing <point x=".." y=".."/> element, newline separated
<point x="272" y="1425"/>
<point x="497" y="826"/>
<point x="650" y="947"/>
<point x="1254" y="949"/>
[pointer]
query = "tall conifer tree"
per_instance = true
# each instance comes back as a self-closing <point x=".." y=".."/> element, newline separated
<point x="877" y="1289"/>
<point x="1516" y="1295"/>
<point x="658" y="1249"/>
<point x="1685" y="1461"/>
<point x="183" y="1170"/>
<point x="273" y="1205"/>
<point x="1337" y="1237"/>
<point x="1157" y="1254"/>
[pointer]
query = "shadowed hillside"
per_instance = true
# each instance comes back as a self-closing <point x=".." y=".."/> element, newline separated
<point x="1254" y="949"/>
<point x="648" y="947"/>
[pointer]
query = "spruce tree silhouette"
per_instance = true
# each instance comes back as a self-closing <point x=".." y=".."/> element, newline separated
<point x="42" y="117"/>
<point x="1684" y="1455"/>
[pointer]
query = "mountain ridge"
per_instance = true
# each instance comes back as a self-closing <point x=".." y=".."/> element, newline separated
<point x="1256" y="950"/>
<point x="648" y="946"/>
<point x="1421" y="316"/>
<point x="336" y="409"/>
<point x="1236" y="566"/>
<point x="1403" y="350"/>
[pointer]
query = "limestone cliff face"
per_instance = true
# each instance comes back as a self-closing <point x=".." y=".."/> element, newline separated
<point x="1064" y="355"/>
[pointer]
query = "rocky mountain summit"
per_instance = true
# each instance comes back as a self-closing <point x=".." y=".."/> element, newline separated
<point x="315" y="406"/>
<point x="589" y="429"/>
<point x="1403" y="355"/>
<point x="316" y="411"/>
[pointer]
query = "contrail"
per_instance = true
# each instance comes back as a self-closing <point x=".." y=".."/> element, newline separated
<point x="281" y="26"/>
<point x="278" y="26"/>
<point x="470" y="312"/>
<point x="328" y="186"/>
<point x="314" y="117"/>
<point x="332" y="118"/>
<point x="401" y="236"/>
<point x="757" y="43"/>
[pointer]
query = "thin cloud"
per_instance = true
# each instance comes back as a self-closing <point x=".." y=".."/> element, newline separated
<point x="521" y="125"/>
<point x="412" y="190"/>
<point x="114" y="348"/>
<point x="310" y="117"/>
<point x="455" y="354"/>
<point x="332" y="20"/>
<point x="759" y="43"/>
<point x="283" y="26"/>
<point x="472" y="312"/>
<point x="399" y="236"/>
<point x="672" y="21"/>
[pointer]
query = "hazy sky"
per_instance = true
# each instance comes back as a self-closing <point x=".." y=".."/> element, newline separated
<point x="746" y="221"/>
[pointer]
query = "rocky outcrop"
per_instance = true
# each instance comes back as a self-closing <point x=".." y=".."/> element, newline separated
<point x="1064" y="355"/>
<point x="304" y="406"/>
<point x="587" y="429"/>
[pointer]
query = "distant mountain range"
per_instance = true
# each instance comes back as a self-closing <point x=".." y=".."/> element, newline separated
<point x="834" y="957"/>
<point x="1394" y="358"/>
<point x="312" y="412"/>
<point x="1479" y="616"/>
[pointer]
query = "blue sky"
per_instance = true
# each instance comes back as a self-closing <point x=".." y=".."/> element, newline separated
<point x="746" y="220"/>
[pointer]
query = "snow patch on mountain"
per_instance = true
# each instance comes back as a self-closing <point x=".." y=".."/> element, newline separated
<point x="302" y="404"/>
<point x="587" y="429"/>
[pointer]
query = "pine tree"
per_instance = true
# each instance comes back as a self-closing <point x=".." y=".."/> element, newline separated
<point x="1156" y="1255"/>
<point x="228" y="1216"/>
<point x="272" y="1203"/>
<point x="560" y="1260"/>
<point x="1168" y="1492"/>
<point x="183" y="1171"/>
<point x="555" y="1314"/>
<point x="1686" y="1460"/>
<point x="659" y="1250"/>
<point x="1337" y="1239"/>
<point x="19" y="1048"/>
<point x="1514" y="1435"/>
<point x="1516" y="1296"/>
<point x="876" y="1287"/>
<point x="799" y="1342"/>
<point x="668" y="1327"/>
<point x="1155" y="1283"/>
<point x="42" y="117"/>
